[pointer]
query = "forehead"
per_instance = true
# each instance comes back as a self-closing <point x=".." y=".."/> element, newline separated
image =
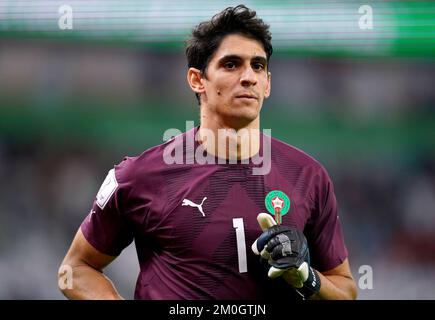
<point x="235" y="44"/>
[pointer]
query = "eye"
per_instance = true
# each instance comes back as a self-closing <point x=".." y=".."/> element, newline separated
<point x="258" y="66"/>
<point x="230" y="65"/>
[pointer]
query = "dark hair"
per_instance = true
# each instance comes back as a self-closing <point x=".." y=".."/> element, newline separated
<point x="207" y="36"/>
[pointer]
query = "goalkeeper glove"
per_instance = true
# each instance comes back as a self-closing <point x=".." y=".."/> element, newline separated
<point x="286" y="250"/>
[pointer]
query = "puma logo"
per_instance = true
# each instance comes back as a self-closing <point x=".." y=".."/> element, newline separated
<point x="187" y="202"/>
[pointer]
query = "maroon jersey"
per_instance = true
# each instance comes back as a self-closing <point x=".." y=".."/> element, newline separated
<point x="193" y="224"/>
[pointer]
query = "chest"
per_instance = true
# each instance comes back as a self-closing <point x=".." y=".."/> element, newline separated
<point x="210" y="211"/>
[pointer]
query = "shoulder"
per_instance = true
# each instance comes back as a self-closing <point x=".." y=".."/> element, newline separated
<point x="146" y="163"/>
<point x="282" y="151"/>
<point x="150" y="164"/>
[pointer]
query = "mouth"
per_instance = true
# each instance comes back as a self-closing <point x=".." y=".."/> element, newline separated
<point x="247" y="96"/>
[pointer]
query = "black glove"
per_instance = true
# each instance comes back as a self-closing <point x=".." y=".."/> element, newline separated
<point x="286" y="250"/>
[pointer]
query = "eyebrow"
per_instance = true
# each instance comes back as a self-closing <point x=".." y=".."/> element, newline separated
<point x="236" y="57"/>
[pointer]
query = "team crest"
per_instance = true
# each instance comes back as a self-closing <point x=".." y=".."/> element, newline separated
<point x="278" y="204"/>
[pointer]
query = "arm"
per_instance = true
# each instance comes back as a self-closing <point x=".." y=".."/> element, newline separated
<point x="88" y="281"/>
<point x="336" y="284"/>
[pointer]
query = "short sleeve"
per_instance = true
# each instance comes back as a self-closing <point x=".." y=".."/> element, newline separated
<point x="324" y="232"/>
<point x="106" y="227"/>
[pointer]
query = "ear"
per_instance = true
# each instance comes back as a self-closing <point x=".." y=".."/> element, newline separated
<point x="194" y="78"/>
<point x="267" y="92"/>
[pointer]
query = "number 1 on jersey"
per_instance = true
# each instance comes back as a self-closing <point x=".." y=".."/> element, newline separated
<point x="241" y="245"/>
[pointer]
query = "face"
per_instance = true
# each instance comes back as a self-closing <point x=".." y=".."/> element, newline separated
<point x="236" y="81"/>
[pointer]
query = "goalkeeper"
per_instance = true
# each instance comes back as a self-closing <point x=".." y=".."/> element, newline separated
<point x="193" y="222"/>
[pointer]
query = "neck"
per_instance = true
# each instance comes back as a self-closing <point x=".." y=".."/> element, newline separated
<point x="229" y="141"/>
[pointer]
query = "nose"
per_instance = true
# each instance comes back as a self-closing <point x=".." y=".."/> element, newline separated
<point x="248" y="77"/>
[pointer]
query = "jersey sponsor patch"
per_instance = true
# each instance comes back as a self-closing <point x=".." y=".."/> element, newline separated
<point x="107" y="189"/>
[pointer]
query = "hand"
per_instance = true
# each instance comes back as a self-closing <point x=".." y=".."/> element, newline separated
<point x="286" y="250"/>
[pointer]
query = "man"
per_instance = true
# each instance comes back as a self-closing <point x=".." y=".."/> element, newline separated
<point x="193" y="224"/>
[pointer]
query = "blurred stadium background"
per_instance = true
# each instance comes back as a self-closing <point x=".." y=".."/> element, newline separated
<point x="74" y="101"/>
